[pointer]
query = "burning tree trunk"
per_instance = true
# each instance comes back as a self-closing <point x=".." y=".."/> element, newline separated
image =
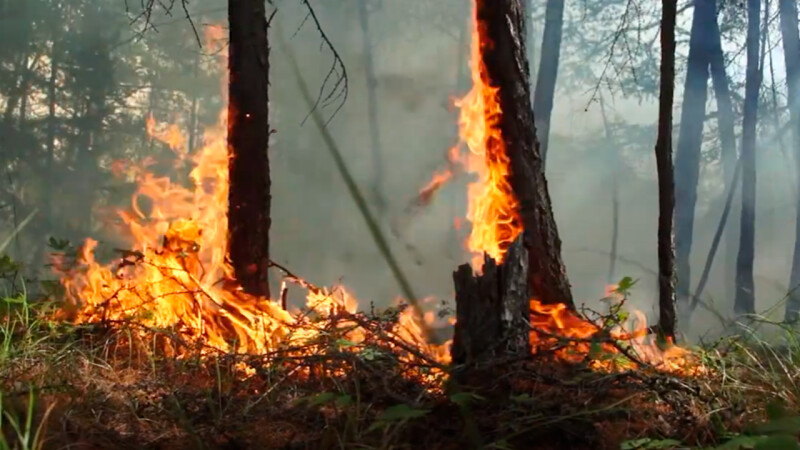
<point x="791" y="46"/>
<point x="492" y="308"/>
<point x="548" y="71"/>
<point x="744" y="302"/>
<point x="666" y="182"/>
<point x="502" y="31"/>
<point x="248" y="140"/>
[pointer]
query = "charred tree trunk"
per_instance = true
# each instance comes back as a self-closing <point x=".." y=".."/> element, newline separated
<point x="726" y="123"/>
<point x="791" y="47"/>
<point x="744" y="301"/>
<point x="372" y="108"/>
<point x="503" y="27"/>
<point x="248" y="140"/>
<point x="690" y="140"/>
<point x="492" y="309"/>
<point x="666" y="181"/>
<point x="548" y="71"/>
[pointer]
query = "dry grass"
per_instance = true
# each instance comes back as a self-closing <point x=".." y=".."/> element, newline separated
<point x="121" y="387"/>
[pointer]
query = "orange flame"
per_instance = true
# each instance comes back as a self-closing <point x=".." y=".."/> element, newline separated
<point x="493" y="207"/>
<point x="176" y="275"/>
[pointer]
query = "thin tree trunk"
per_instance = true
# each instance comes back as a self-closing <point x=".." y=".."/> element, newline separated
<point x="791" y="47"/>
<point x="248" y="141"/>
<point x="543" y="97"/>
<point x="726" y="123"/>
<point x="744" y="302"/>
<point x="611" y="277"/>
<point x="372" y="108"/>
<point x="531" y="38"/>
<point x="47" y="207"/>
<point x="507" y="68"/>
<point x="193" y="114"/>
<point x="666" y="182"/>
<point x="690" y="141"/>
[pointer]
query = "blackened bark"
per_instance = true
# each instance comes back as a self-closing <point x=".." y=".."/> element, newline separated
<point x="248" y="140"/>
<point x="548" y="72"/>
<point x="492" y="309"/>
<point x="666" y="182"/>
<point x="726" y="124"/>
<point x="690" y="140"/>
<point x="744" y="300"/>
<point x="501" y="24"/>
<point x="372" y="108"/>
<point x="791" y="47"/>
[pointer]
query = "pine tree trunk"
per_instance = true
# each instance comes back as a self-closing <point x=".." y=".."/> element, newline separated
<point x="744" y="302"/>
<point x="543" y="97"/>
<point x="248" y="140"/>
<point x="666" y="182"/>
<point x="507" y="68"/>
<point x="791" y="47"/>
<point x="690" y="140"/>
<point x="372" y="109"/>
<point x="726" y="123"/>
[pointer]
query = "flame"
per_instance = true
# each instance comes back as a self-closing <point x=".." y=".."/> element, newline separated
<point x="176" y="276"/>
<point x="493" y="207"/>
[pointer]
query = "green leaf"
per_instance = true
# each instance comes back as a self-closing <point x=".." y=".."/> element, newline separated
<point x="401" y="412"/>
<point x="345" y="343"/>
<point x="522" y="398"/>
<point x="776" y="410"/>
<point x="344" y="401"/>
<point x="787" y="425"/>
<point x="777" y="442"/>
<point x="739" y="442"/>
<point x="649" y="444"/>
<point x="463" y="399"/>
<point x="625" y="285"/>
<point x="318" y="399"/>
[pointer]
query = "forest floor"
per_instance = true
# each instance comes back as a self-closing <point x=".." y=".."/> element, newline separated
<point x="97" y="387"/>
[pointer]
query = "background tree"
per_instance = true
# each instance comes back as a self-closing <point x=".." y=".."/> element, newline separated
<point x="547" y="75"/>
<point x="744" y="302"/>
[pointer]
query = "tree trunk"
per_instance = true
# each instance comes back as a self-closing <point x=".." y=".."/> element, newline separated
<point x="727" y="136"/>
<point x="548" y="71"/>
<point x="47" y="207"/>
<point x="531" y="37"/>
<point x="248" y="140"/>
<point x="501" y="24"/>
<point x="690" y="140"/>
<point x="744" y="302"/>
<point x="372" y="109"/>
<point x="611" y="277"/>
<point x="791" y="47"/>
<point x="492" y="309"/>
<point x="666" y="182"/>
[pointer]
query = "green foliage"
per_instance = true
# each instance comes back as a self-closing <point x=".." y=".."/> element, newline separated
<point x="780" y="431"/>
<point x="649" y="444"/>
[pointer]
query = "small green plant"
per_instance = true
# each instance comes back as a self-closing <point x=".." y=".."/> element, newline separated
<point x="779" y="432"/>
<point x="25" y="435"/>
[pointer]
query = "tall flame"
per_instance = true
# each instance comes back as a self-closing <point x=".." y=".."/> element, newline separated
<point x="176" y="276"/>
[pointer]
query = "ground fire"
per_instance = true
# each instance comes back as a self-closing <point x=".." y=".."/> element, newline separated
<point x="175" y="275"/>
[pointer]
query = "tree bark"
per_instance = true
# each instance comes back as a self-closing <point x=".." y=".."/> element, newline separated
<point x="690" y="140"/>
<point x="492" y="309"/>
<point x="726" y="123"/>
<point x="666" y="182"/>
<point x="791" y="47"/>
<point x="543" y="97"/>
<point x="744" y="301"/>
<point x="248" y="141"/>
<point x="503" y="52"/>
<point x="372" y="109"/>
